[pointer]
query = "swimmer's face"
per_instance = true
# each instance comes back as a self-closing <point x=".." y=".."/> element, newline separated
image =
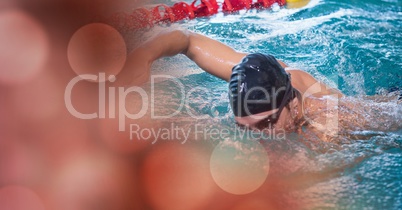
<point x="267" y="120"/>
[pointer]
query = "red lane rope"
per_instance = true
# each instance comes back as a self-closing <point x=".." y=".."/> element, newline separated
<point x="182" y="10"/>
<point x="162" y="16"/>
<point x="205" y="8"/>
<point x="161" y="13"/>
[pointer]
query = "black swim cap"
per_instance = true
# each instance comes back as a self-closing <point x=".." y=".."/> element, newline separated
<point x="258" y="84"/>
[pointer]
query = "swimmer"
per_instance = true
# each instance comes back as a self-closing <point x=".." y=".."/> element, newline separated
<point x="263" y="91"/>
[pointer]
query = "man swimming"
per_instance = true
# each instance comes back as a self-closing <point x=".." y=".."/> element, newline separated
<point x="263" y="91"/>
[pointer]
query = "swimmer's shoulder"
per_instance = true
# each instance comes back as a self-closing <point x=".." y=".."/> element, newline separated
<point x="308" y="85"/>
<point x="301" y="80"/>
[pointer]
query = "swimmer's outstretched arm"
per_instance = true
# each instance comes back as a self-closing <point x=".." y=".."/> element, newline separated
<point x="212" y="56"/>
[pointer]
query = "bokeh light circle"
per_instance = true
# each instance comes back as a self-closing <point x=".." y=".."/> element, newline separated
<point x="239" y="167"/>
<point x="19" y="198"/>
<point x="97" y="48"/>
<point x="24" y="47"/>
<point x="94" y="179"/>
<point x="176" y="176"/>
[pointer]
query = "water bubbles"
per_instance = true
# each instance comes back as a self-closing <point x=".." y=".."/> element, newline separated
<point x="387" y="54"/>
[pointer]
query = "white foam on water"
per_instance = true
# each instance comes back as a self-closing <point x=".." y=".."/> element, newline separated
<point x="283" y="27"/>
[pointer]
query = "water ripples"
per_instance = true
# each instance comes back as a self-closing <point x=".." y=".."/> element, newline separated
<point x="355" y="46"/>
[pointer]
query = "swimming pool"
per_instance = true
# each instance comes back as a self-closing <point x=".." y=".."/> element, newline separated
<point x="355" y="46"/>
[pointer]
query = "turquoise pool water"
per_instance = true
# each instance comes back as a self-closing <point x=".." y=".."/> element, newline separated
<point x="355" y="46"/>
